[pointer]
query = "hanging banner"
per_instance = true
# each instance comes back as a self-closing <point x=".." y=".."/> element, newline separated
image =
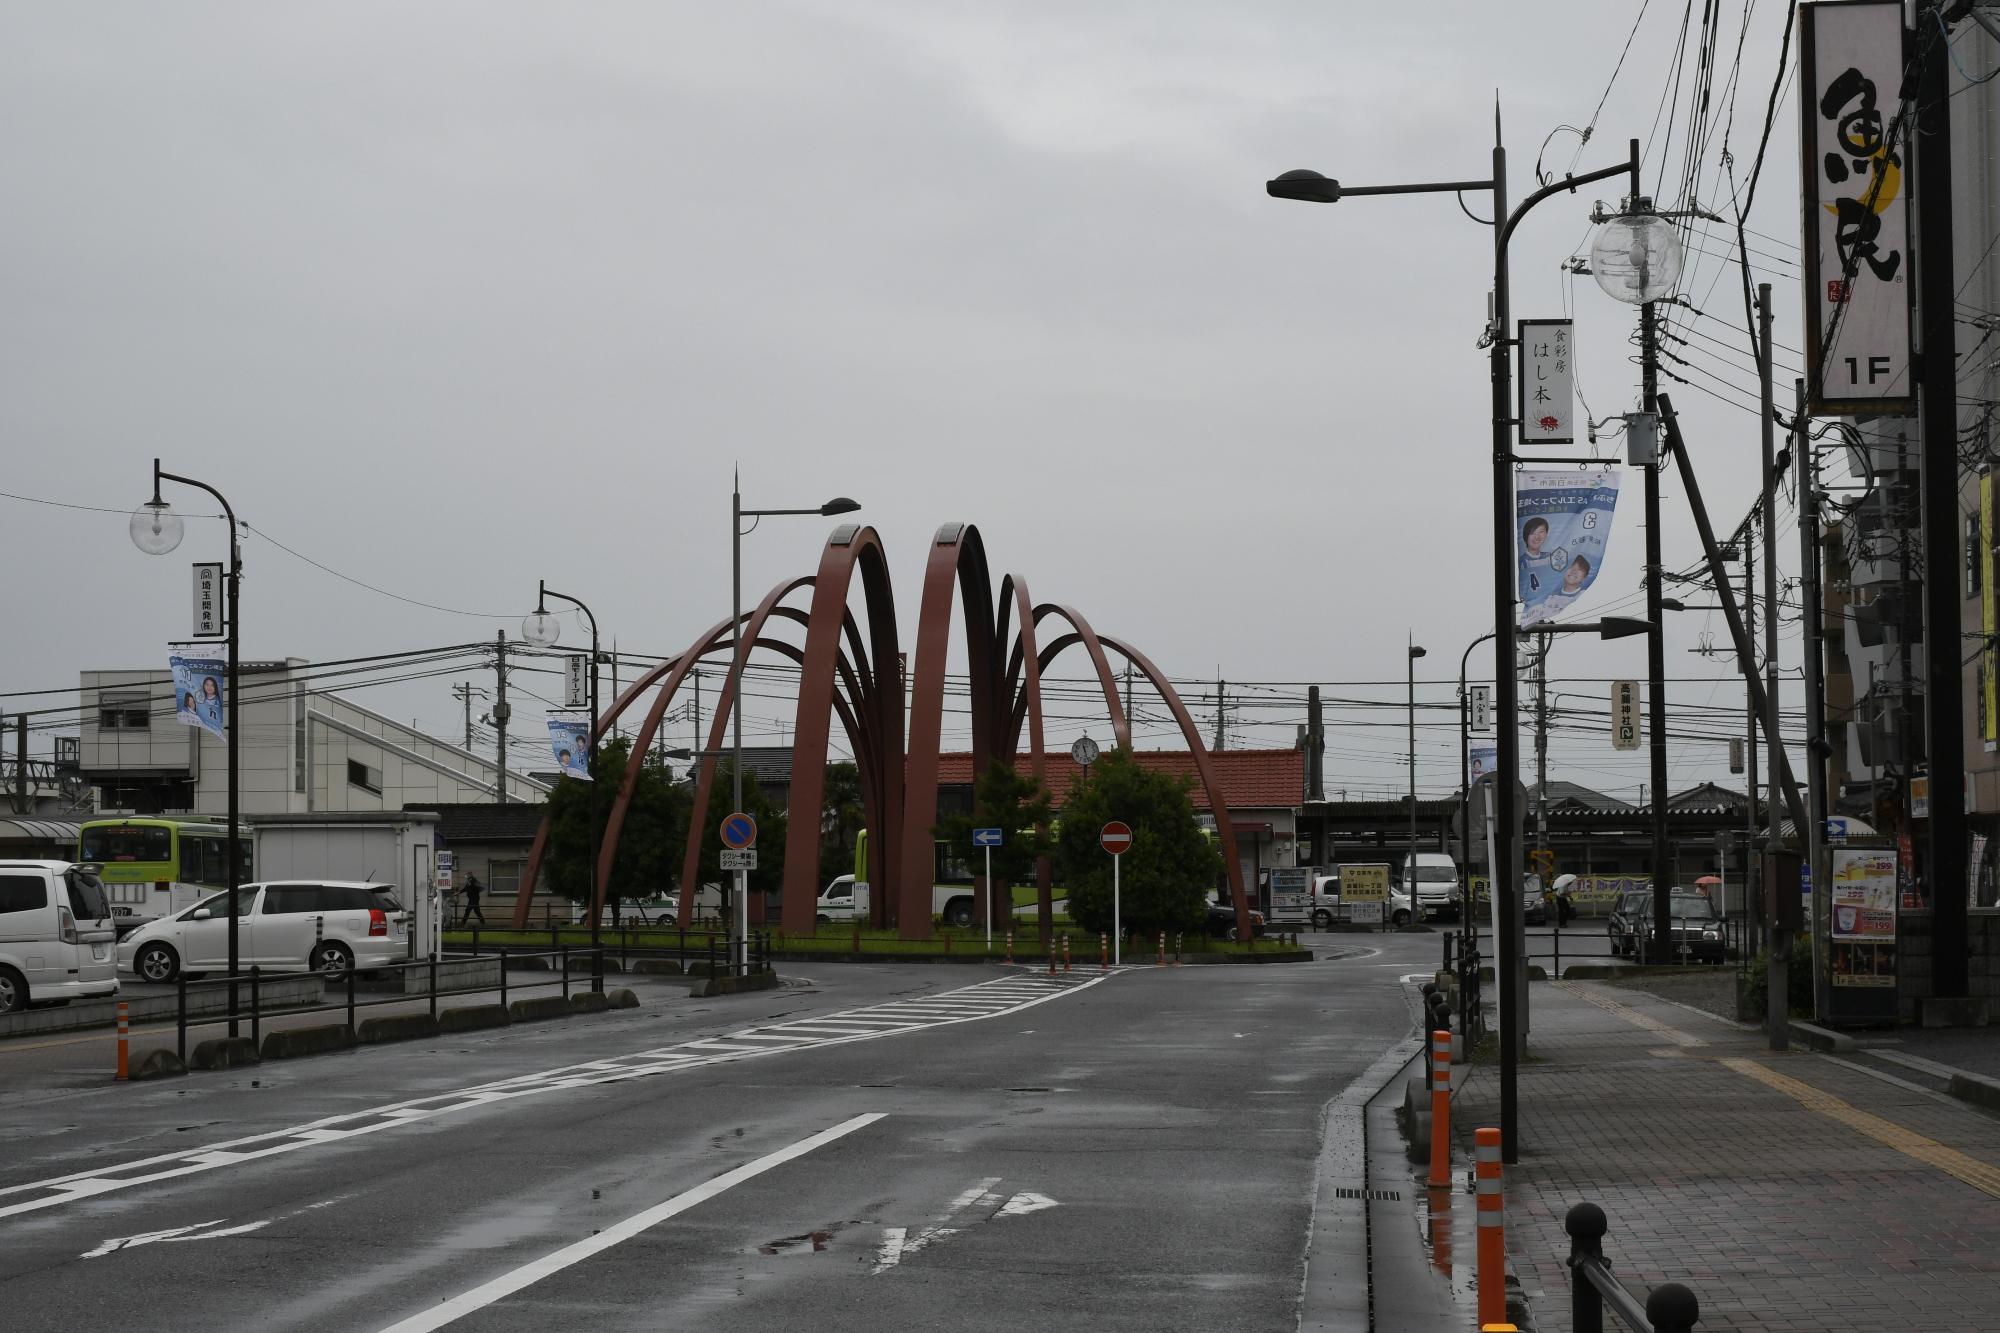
<point x="1564" y="522"/>
<point x="198" y="678"/>
<point x="208" y="599"/>
<point x="1547" y="405"/>
<point x="1484" y="757"/>
<point x="1854" y="135"/>
<point x="1481" y="710"/>
<point x="569" y="739"/>
<point x="1624" y="714"/>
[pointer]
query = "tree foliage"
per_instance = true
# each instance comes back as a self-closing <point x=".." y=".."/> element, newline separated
<point x="842" y="816"/>
<point x="655" y="829"/>
<point x="769" y="876"/>
<point x="1165" y="878"/>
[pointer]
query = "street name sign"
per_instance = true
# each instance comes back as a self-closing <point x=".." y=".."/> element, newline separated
<point x="739" y="831"/>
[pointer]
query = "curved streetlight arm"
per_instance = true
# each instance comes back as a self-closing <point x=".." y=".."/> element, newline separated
<point x="1568" y="185"/>
<point x="227" y="511"/>
<point x="543" y="592"/>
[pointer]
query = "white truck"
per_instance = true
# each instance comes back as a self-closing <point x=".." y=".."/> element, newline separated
<point x="1430" y="884"/>
<point x="846" y="899"/>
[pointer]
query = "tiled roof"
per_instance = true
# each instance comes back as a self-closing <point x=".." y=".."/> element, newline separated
<point x="1250" y="779"/>
<point x="486" y="821"/>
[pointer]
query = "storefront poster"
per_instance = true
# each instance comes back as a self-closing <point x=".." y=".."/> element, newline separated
<point x="1864" y="894"/>
<point x="570" y="740"/>
<point x="198" y="678"/>
<point x="1563" y="524"/>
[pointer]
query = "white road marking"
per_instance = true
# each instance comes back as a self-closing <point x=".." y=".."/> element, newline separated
<point x="193" y="1232"/>
<point x="1024" y="1203"/>
<point x="1000" y="998"/>
<point x="528" y="1274"/>
<point x="891" y="1252"/>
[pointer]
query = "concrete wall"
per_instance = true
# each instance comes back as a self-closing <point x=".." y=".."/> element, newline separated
<point x="1913" y="958"/>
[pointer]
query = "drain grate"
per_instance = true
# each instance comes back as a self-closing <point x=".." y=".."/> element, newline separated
<point x="1380" y="1196"/>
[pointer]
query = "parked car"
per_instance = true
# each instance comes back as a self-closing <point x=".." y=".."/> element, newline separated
<point x="1696" y="930"/>
<point x="1623" y="926"/>
<point x="1534" y="907"/>
<point x="1222" y="921"/>
<point x="56" y="935"/>
<point x="324" y="926"/>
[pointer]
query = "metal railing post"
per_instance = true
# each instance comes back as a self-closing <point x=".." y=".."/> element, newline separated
<point x="503" y="978"/>
<point x="1586" y="1226"/>
<point x="562" y="960"/>
<point x="181" y="1015"/>
<point x="597" y="970"/>
<point x="256" y="1009"/>
<point x="351" y="1030"/>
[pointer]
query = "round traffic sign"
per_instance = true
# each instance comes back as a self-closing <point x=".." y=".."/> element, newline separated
<point x="1084" y="751"/>
<point x="739" y="831"/>
<point x="1116" y="838"/>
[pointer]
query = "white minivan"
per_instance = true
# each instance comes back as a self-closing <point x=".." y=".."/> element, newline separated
<point x="1430" y="882"/>
<point x="56" y="936"/>
<point x="324" y="926"/>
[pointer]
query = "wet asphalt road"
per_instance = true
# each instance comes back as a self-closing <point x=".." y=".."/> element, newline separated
<point x="1140" y="1150"/>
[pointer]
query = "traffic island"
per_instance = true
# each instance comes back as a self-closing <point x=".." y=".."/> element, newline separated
<point x="157" y="1064"/>
<point x="289" y="1043"/>
<point x="223" y="1053"/>
<point x="396" y="1027"/>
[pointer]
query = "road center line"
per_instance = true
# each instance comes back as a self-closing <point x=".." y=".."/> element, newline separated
<point x="528" y="1274"/>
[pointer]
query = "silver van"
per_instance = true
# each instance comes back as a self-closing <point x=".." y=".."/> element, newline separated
<point x="57" y="940"/>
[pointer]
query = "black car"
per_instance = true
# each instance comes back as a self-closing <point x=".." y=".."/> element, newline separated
<point x="1697" y="934"/>
<point x="1633" y="906"/>
<point x="1222" y="921"/>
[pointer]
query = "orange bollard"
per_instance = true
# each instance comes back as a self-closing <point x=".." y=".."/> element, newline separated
<point x="124" y="1041"/>
<point x="1065" y="951"/>
<point x="1010" y="948"/>
<point x="1492" y="1228"/>
<point x="1177" y="949"/>
<point x="1163" y="948"/>
<point x="1440" y="1107"/>
<point x="1103" y="951"/>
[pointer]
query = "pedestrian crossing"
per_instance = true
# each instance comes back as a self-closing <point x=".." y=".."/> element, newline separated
<point x="968" y="1004"/>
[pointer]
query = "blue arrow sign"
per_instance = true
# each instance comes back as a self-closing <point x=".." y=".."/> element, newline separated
<point x="986" y="837"/>
<point x="739" y="831"/>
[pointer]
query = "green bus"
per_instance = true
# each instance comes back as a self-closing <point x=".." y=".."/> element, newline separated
<point x="155" y="865"/>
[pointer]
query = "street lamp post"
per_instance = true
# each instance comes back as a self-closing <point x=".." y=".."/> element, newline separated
<point x="156" y="529"/>
<point x="544" y="630"/>
<point x="1410" y="863"/>
<point x="840" y="504"/>
<point x="1312" y="187"/>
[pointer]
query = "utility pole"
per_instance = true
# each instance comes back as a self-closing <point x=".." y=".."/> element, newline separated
<point x="1815" y="637"/>
<point x="1656" y="644"/>
<point x="502" y="710"/>
<point x="1778" y="989"/>
<point x="464" y="691"/>
<point x="1937" y="396"/>
<point x="1221" y="739"/>
<point x="22" y="803"/>
<point x="1315" y="746"/>
<point x="1128" y="694"/>
<point x="1542" y="745"/>
<point x="1751" y="868"/>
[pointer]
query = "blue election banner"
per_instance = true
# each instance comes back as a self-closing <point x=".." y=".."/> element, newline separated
<point x="570" y="739"/>
<point x="1483" y="757"/>
<point x="198" y="678"/>
<point x="986" y="837"/>
<point x="1564" y="524"/>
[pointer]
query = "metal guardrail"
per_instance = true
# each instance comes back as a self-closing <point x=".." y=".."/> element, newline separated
<point x="1668" y="1308"/>
<point x="628" y="942"/>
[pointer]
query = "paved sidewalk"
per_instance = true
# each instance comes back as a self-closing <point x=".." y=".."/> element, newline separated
<point x="1790" y="1191"/>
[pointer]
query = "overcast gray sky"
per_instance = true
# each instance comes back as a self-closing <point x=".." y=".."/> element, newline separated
<point x="450" y="297"/>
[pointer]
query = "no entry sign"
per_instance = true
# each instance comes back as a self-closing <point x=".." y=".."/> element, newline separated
<point x="1116" y="838"/>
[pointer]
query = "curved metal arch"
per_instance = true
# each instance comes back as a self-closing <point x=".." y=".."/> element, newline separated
<point x="1121" y="726"/>
<point x="848" y="547"/>
<point x="957" y="556"/>
<point x="851" y="711"/>
<point x="1225" y="830"/>
<point x="1015" y="601"/>
<point x="673" y="670"/>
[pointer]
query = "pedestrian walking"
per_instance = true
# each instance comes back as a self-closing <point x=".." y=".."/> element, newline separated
<point x="472" y="892"/>
<point x="1565" y="904"/>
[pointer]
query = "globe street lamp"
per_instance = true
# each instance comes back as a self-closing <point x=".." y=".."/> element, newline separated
<point x="1312" y="187"/>
<point x="543" y="630"/>
<point x="840" y="504"/>
<point x="156" y="529"/>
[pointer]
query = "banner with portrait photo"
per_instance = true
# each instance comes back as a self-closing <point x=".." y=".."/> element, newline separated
<point x="1483" y="757"/>
<point x="1562" y="524"/>
<point x="199" y="675"/>
<point x="569" y="740"/>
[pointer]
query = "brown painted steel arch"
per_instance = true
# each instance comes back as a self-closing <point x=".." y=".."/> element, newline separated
<point x="957" y="555"/>
<point x="1225" y="831"/>
<point x="1024" y="666"/>
<point x="1121" y="726"/>
<point x="849" y="547"/>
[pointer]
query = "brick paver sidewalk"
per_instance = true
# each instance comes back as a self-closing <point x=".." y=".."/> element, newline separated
<point x="1790" y="1191"/>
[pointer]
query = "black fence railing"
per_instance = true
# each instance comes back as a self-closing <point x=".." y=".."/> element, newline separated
<point x="1668" y="1308"/>
<point x="629" y="943"/>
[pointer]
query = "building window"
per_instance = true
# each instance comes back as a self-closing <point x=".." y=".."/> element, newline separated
<point x="1972" y="554"/>
<point x="362" y="776"/>
<point x="124" y="712"/>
